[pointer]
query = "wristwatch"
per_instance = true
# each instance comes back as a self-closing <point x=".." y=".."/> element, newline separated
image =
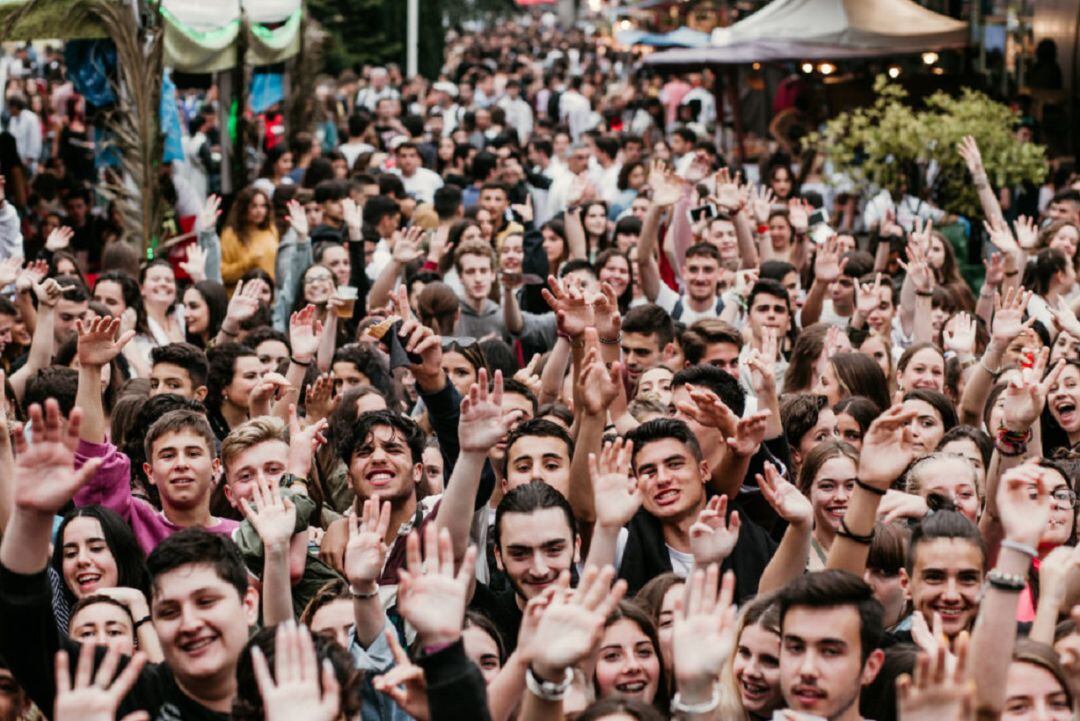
<point x="549" y="690"/>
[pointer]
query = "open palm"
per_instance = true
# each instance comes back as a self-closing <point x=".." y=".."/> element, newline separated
<point x="714" y="535"/>
<point x="45" y="475"/>
<point x="618" y="496"/>
<point x="366" y="552"/>
<point x="99" y="342"/>
<point x="481" y="424"/>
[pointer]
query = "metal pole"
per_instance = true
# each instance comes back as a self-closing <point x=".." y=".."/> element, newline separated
<point x="412" y="37"/>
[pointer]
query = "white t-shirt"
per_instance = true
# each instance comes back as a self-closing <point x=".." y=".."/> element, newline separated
<point x="681" y="563"/>
<point x="668" y="299"/>
<point x="422" y="184"/>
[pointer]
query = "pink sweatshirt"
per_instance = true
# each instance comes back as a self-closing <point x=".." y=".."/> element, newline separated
<point x="111" y="487"/>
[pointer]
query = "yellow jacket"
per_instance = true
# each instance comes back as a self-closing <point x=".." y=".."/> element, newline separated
<point x="238" y="258"/>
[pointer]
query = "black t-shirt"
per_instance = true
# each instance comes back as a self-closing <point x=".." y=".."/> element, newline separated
<point x="156" y="691"/>
<point x="500" y="606"/>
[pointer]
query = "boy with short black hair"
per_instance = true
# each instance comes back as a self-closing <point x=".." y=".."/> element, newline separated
<point x="179" y="368"/>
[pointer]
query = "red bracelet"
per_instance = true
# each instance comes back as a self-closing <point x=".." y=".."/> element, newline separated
<point x="430" y="265"/>
<point x="763" y="229"/>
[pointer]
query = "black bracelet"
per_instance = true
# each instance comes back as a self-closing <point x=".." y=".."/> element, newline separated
<point x="1011" y="273"/>
<point x="292" y="359"/>
<point x="846" y="533"/>
<point x="870" y="489"/>
<point x="141" y="621"/>
<point x="231" y="334"/>
<point x="924" y="294"/>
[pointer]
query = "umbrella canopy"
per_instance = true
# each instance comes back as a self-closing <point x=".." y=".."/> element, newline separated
<point x="681" y="38"/>
<point x="825" y="29"/>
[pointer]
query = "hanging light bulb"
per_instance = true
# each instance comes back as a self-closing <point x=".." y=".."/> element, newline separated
<point x="808" y="68"/>
<point x="894" y="71"/>
<point x="929" y="58"/>
<point x="826" y="68"/>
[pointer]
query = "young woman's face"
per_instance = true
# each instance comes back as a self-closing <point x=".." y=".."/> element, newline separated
<point x="512" y="255"/>
<point x="616" y="273"/>
<point x="1066" y="240"/>
<point x="831" y="490"/>
<point x="1064" y="348"/>
<point x="780" y="182"/>
<point x="335" y="621"/>
<point x="88" y="564"/>
<point x="446" y="149"/>
<point x="159" y="285"/>
<point x="1033" y="694"/>
<point x="779" y="231"/>
<point x="595" y="220"/>
<point x="756" y="667"/>
<point x="111" y="294"/>
<point x="874" y="346"/>
<point x="926" y="369"/>
<point x="656" y="382"/>
<point x="554" y="247"/>
<point x="471" y="232"/>
<point x="828" y="385"/>
<point x="104" y="624"/>
<point x="966" y="447"/>
<point x="318" y="285"/>
<point x="951" y="478"/>
<point x="247" y="370"/>
<point x="665" y="622"/>
<point x="635" y="179"/>
<point x="1063" y="400"/>
<point x="484" y="652"/>
<point x="256" y="212"/>
<point x="1062" y="514"/>
<point x="627" y="663"/>
<point x="849" y="430"/>
<point x="196" y="312"/>
<point x="284" y="164"/>
<point x="459" y="370"/>
<point x="926" y="427"/>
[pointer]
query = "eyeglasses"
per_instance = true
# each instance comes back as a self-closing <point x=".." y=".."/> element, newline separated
<point x="1064" y="498"/>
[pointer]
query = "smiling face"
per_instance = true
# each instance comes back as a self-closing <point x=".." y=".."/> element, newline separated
<point x="336" y="259"/>
<point x="1063" y="400"/>
<point x="953" y="478"/>
<point x="318" y="285"/>
<point x="159" y="286"/>
<point x="925" y="369"/>
<point x="202" y="623"/>
<point x="656" y="382"/>
<point x="88" y="564"/>
<point x="616" y="273"/>
<point x="1066" y="240"/>
<point x="538" y="459"/>
<point x="926" y="427"/>
<point x="721" y="233"/>
<point x="182" y="467"/>
<point x="512" y="254"/>
<point x="947" y="579"/>
<point x="831" y="490"/>
<point x="483" y="651"/>
<point x="196" y="312"/>
<point x="111" y="294"/>
<point x="673" y="481"/>
<point x="640" y="352"/>
<point x="880" y="318"/>
<point x="534" y="548"/>
<point x="966" y="447"/>
<point x="104" y="624"/>
<point x="1062" y="513"/>
<point x="701" y="273"/>
<point x="821" y="667"/>
<point x="382" y="467"/>
<point x="627" y="663"/>
<point x="756" y="667"/>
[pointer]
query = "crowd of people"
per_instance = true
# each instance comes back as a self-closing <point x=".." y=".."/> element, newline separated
<point x="507" y="396"/>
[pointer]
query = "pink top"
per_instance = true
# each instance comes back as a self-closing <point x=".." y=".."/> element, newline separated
<point x="111" y="487"/>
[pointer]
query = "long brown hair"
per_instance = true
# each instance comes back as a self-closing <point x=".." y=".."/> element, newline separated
<point x="238" y="214"/>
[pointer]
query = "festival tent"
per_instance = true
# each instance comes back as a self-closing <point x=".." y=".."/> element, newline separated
<point x="681" y="38"/>
<point x="824" y="29"/>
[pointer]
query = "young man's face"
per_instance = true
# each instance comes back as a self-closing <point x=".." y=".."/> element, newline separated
<point x="721" y="234"/>
<point x="347" y="376"/>
<point x="534" y="548"/>
<point x="673" y="480"/>
<point x="262" y="463"/>
<point x="67" y="312"/>
<point x="182" y="466"/>
<point x="477" y="276"/>
<point x="842" y="293"/>
<point x="946" y="579"/>
<point x="171" y="378"/>
<point x="202" y="623"/>
<point x="538" y="459"/>
<point x="769" y="311"/>
<point x="701" y="273"/>
<point x="724" y="356"/>
<point x="383" y="467"/>
<point x="408" y="160"/>
<point x="821" y="667"/>
<point x="640" y="353"/>
<point x="494" y="201"/>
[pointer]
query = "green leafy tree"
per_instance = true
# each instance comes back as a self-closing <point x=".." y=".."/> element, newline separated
<point x="874" y="144"/>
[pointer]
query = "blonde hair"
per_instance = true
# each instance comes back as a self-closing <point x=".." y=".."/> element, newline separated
<point x="250" y="434"/>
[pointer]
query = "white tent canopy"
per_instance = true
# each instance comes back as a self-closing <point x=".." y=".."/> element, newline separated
<point x="795" y="29"/>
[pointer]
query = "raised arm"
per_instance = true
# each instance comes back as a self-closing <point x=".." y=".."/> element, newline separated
<point x="243" y="304"/>
<point x="886" y="453"/>
<point x="917" y="292"/>
<point x="99" y="343"/>
<point x="576" y="242"/>
<point x="618" y="498"/>
<point x="406" y="250"/>
<point x="827" y="268"/>
<point x="598" y="386"/>
<point x="667" y="190"/>
<point x="364" y="559"/>
<point x="274" y="518"/>
<point x="969" y="151"/>
<point x="48" y="293"/>
<point x="789" y="560"/>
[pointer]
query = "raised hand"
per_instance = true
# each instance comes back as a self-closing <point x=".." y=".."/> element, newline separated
<point x="599" y="384"/>
<point x="407" y="245"/>
<point x="206" y="220"/>
<point x="366" y="552"/>
<point x="867" y="296"/>
<point x="961" y="339"/>
<point x="404" y="683"/>
<point x="49" y="292"/>
<point x="1027" y="233"/>
<point x="703" y="631"/>
<point x="430" y="596"/>
<point x="94" y="696"/>
<point x="320" y="401"/>
<point x="353" y="217"/>
<point x="34" y="273"/>
<point x="270" y="388"/>
<point x="574" y="620"/>
<point x="713" y="535"/>
<point x="918" y="267"/>
<point x="195" y="263"/>
<point x="1009" y="314"/>
<point x="528" y="376"/>
<point x="799" y="215"/>
<point x="762" y="364"/>
<point x="886" y="450"/>
<point x="615" y="489"/>
<point x="606" y="317"/>
<point x="787" y="500"/>
<point x="938" y="692"/>
<point x="706" y="408"/>
<point x="45" y="475"/>
<point x="969" y="151"/>
<point x="524" y="210"/>
<point x="749" y="433"/>
<point x="59" y="239"/>
<point x="1024" y="503"/>
<point x="305" y="441"/>
<point x="665" y="184"/>
<point x="828" y="264"/>
<point x="9" y="270"/>
<point x="300" y="687"/>
<point x="271" y="515"/>
<point x="761" y="201"/>
<point x="573" y="314"/>
<point x="1002" y="238"/>
<point x="297" y="218"/>
<point x="244" y="302"/>
<point x="100" y="341"/>
<point x="1065" y="317"/>
<point x="1026" y="395"/>
<point x="482" y="424"/>
<point x="727" y="195"/>
<point x="305" y="332"/>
